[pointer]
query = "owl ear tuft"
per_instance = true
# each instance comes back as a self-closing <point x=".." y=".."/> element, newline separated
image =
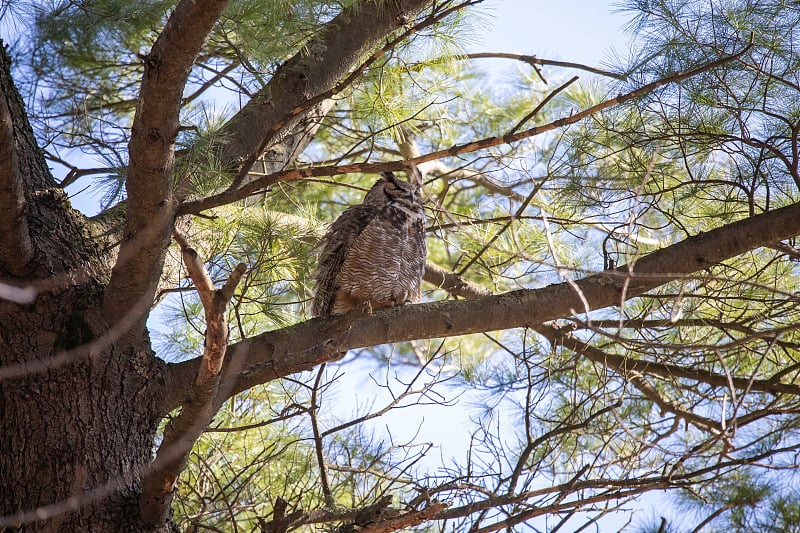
<point x="389" y="176"/>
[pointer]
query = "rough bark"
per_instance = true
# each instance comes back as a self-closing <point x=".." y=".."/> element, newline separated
<point x="78" y="411"/>
<point x="16" y="249"/>
<point x="77" y="436"/>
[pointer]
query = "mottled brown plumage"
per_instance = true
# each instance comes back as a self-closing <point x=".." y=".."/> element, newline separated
<point x="374" y="252"/>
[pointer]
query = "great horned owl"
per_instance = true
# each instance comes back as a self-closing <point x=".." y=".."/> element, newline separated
<point x="375" y="251"/>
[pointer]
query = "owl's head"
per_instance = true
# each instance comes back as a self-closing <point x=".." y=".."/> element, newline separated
<point x="388" y="189"/>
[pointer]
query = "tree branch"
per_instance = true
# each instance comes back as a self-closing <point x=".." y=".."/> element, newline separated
<point x="453" y="283"/>
<point x="182" y="432"/>
<point x="262" y="183"/>
<point x="214" y="303"/>
<point x="279" y="353"/>
<point x="312" y="75"/>
<point x="626" y="366"/>
<point x="535" y="62"/>
<point x="151" y="151"/>
<point x="405" y="520"/>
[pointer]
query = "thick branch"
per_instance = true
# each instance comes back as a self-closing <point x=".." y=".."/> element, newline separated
<point x="16" y="249"/>
<point x="309" y="76"/>
<point x="276" y="354"/>
<point x="180" y="434"/>
<point x="152" y="154"/>
<point x="261" y="184"/>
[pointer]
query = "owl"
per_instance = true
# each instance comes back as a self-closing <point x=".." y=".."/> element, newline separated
<point x="375" y="251"/>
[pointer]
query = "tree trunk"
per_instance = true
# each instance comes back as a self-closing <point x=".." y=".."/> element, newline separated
<point x="76" y="436"/>
<point x="79" y="402"/>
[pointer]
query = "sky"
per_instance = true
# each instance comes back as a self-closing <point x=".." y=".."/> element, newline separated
<point x="583" y="31"/>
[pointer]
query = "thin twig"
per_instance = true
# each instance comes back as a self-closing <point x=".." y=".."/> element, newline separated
<point x="542" y="104"/>
<point x="312" y="413"/>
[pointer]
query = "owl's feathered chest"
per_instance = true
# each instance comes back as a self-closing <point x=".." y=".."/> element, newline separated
<point x="374" y="253"/>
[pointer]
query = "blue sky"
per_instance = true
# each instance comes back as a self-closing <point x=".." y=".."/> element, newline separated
<point x="583" y="31"/>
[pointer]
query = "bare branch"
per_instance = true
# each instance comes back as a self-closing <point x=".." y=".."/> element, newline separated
<point x="452" y="283"/>
<point x="536" y="62"/>
<point x="214" y="303"/>
<point x="280" y="353"/>
<point x="405" y="520"/>
<point x="626" y="365"/>
<point x="543" y="103"/>
<point x="181" y="433"/>
<point x="312" y="413"/>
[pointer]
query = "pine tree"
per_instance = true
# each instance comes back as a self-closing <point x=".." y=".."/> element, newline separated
<point x="610" y="304"/>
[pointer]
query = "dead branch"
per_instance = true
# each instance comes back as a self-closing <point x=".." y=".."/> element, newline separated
<point x="404" y="520"/>
<point x="452" y="283"/>
<point x="214" y="303"/>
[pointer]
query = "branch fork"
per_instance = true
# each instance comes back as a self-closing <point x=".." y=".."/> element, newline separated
<point x="197" y="411"/>
<point x="214" y="301"/>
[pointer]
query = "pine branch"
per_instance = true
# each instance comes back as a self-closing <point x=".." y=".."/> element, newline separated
<point x="279" y="353"/>
<point x="149" y="183"/>
<point x="264" y="182"/>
